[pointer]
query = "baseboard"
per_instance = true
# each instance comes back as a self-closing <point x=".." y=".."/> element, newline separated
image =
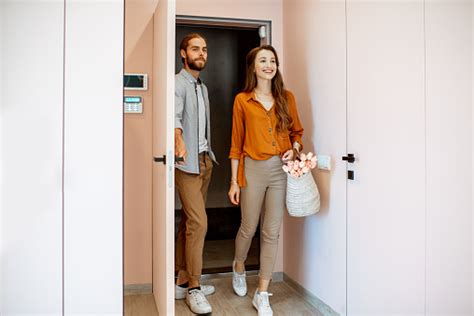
<point x="325" y="309"/>
<point x="277" y="277"/>
<point x="138" y="289"/>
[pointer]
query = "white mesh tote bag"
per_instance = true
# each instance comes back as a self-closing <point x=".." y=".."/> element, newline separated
<point x="302" y="194"/>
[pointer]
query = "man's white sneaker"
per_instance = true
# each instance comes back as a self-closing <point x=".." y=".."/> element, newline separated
<point x="197" y="302"/>
<point x="180" y="292"/>
<point x="262" y="303"/>
<point x="238" y="282"/>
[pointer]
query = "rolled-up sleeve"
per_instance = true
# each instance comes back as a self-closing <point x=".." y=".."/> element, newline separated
<point x="238" y="131"/>
<point x="296" y="132"/>
<point x="179" y="106"/>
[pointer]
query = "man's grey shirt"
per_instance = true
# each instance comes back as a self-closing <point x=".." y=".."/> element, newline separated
<point x="187" y="119"/>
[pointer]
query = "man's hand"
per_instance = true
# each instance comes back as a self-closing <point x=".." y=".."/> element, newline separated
<point x="179" y="145"/>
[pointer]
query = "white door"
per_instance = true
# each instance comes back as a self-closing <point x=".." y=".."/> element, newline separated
<point x="31" y="111"/>
<point x="163" y="144"/>
<point x="93" y="158"/>
<point x="449" y="136"/>
<point x="386" y="199"/>
<point x="61" y="157"/>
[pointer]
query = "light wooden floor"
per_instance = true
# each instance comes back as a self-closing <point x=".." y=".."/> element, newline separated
<point x="140" y="305"/>
<point x="285" y="301"/>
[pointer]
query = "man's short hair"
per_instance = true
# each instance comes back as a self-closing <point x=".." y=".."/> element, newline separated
<point x="185" y="42"/>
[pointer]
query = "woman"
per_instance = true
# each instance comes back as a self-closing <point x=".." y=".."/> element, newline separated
<point x="266" y="130"/>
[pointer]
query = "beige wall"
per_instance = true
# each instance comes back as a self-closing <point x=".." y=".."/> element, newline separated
<point x="314" y="38"/>
<point x="314" y="248"/>
<point x="138" y="13"/>
<point x="138" y="167"/>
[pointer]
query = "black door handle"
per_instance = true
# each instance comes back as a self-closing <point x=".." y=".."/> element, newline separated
<point x="163" y="159"/>
<point x="349" y="158"/>
<point x="160" y="159"/>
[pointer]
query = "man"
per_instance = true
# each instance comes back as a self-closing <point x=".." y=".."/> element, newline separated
<point x="192" y="177"/>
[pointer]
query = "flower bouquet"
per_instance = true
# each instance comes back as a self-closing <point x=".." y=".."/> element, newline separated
<point x="302" y="194"/>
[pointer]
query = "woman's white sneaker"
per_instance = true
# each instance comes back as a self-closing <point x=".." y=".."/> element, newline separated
<point x="197" y="302"/>
<point x="239" y="282"/>
<point x="262" y="303"/>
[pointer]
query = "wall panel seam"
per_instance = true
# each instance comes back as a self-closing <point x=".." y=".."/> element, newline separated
<point x="63" y="155"/>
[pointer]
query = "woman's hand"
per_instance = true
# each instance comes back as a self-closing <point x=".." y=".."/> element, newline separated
<point x="288" y="155"/>
<point x="234" y="193"/>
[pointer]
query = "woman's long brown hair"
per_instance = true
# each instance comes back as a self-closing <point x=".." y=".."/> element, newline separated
<point x="285" y="122"/>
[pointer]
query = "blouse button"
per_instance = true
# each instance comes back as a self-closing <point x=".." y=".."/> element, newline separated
<point x="273" y="144"/>
<point x="270" y="129"/>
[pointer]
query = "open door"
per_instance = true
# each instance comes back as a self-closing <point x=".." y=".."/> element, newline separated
<point x="163" y="152"/>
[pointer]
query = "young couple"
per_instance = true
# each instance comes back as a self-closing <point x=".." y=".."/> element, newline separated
<point x="265" y="130"/>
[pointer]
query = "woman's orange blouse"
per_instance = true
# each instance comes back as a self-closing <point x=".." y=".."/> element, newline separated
<point x="254" y="131"/>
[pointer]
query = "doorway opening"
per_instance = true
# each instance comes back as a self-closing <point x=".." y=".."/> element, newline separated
<point x="228" y="43"/>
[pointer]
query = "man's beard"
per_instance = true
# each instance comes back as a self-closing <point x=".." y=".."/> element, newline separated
<point x="193" y="66"/>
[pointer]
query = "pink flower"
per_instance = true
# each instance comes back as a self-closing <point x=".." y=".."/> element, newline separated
<point x="302" y="165"/>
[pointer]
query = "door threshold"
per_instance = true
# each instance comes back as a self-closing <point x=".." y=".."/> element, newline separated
<point x="277" y="276"/>
<point x="225" y="275"/>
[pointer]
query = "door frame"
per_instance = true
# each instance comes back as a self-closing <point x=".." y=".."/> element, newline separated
<point x="229" y="23"/>
<point x="201" y="25"/>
